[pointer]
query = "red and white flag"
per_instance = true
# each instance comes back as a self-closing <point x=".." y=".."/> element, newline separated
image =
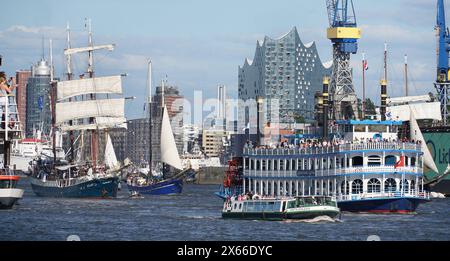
<point x="365" y="65"/>
<point x="400" y="163"/>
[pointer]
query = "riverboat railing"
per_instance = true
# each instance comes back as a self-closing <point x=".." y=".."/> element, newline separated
<point x="394" y="194"/>
<point x="386" y="169"/>
<point x="332" y="149"/>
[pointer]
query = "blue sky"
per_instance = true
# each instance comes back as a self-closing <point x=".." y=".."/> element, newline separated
<point x="199" y="44"/>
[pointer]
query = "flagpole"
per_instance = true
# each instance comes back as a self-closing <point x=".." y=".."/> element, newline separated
<point x="364" y="86"/>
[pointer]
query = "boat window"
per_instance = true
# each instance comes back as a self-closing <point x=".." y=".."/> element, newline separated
<point x="374" y="186"/>
<point x="412" y="184"/>
<point x="258" y="165"/>
<point x="277" y="206"/>
<point x="357" y="161"/>
<point x="345" y="188"/>
<point x="275" y="165"/>
<point x="300" y="202"/>
<point x="360" y="128"/>
<point x="281" y="164"/>
<point x="374" y="160"/>
<point x="357" y="186"/>
<point x="404" y="185"/>
<point x="8" y="184"/>
<point x="406" y="161"/>
<point x="240" y="206"/>
<point x="413" y="161"/>
<point x="390" y="185"/>
<point x="288" y="164"/>
<point x="390" y="160"/>
<point x="377" y="128"/>
<point x="309" y="201"/>
<point x="247" y="162"/>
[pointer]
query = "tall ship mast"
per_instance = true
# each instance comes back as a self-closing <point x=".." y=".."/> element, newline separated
<point x="155" y="183"/>
<point x="83" y="107"/>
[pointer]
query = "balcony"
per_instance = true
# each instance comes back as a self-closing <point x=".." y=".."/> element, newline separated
<point x="333" y="172"/>
<point x="332" y="149"/>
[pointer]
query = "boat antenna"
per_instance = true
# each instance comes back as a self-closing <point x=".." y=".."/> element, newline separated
<point x="406" y="75"/>
<point x="52" y="71"/>
<point x="385" y="62"/>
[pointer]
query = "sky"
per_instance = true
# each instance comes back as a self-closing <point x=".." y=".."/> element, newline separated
<point x="199" y="44"/>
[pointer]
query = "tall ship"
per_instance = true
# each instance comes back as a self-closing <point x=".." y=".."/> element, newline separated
<point x="157" y="181"/>
<point x="9" y="130"/>
<point x="83" y="108"/>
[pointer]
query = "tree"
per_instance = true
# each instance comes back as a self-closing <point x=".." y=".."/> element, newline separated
<point x="370" y="107"/>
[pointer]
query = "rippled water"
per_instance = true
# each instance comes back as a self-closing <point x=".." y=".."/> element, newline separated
<point x="195" y="215"/>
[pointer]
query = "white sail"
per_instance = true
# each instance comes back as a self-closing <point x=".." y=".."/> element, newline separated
<point x="110" y="85"/>
<point x="101" y="123"/>
<point x="169" y="152"/>
<point x="422" y="111"/>
<point x="110" y="155"/>
<point x="408" y="99"/>
<point x="416" y="134"/>
<point x="67" y="111"/>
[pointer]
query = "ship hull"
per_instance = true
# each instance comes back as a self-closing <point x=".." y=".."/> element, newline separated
<point x="382" y="206"/>
<point x="278" y="216"/>
<point x="96" y="188"/>
<point x="167" y="187"/>
<point x="9" y="197"/>
<point x="438" y="142"/>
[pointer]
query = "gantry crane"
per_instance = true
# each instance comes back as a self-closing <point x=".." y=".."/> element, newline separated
<point x="344" y="34"/>
<point x="442" y="80"/>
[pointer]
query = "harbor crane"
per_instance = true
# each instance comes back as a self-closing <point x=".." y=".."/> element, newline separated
<point x="442" y="80"/>
<point x="344" y="34"/>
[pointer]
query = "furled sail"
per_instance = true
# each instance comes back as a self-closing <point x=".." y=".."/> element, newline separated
<point x="169" y="152"/>
<point x="416" y="134"/>
<point x="66" y="111"/>
<point x="110" y="155"/>
<point x="421" y="111"/>
<point x="408" y="99"/>
<point x="100" y="124"/>
<point x="110" y="85"/>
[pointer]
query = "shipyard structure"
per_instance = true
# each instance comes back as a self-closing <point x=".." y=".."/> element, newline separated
<point x="284" y="76"/>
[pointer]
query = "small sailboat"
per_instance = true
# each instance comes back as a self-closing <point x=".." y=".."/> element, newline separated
<point x="151" y="184"/>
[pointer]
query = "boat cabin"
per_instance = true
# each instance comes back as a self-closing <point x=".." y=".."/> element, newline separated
<point x="367" y="130"/>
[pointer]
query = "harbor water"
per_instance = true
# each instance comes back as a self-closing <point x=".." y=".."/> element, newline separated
<point x="195" y="215"/>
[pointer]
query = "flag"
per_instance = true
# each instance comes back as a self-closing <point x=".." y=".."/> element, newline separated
<point x="40" y="103"/>
<point x="388" y="115"/>
<point x="366" y="65"/>
<point x="400" y="163"/>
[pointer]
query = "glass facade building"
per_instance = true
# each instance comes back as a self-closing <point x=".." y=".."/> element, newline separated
<point x="286" y="73"/>
<point x="39" y="114"/>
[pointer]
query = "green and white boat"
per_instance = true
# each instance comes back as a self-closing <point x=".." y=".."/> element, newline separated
<point x="280" y="209"/>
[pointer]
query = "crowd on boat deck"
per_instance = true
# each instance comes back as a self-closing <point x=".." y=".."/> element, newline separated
<point x="254" y="196"/>
<point x="303" y="143"/>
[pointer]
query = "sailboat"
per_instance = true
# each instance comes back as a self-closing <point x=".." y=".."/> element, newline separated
<point x="151" y="185"/>
<point x="84" y="107"/>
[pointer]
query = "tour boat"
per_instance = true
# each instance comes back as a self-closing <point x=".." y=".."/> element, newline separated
<point x="280" y="209"/>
